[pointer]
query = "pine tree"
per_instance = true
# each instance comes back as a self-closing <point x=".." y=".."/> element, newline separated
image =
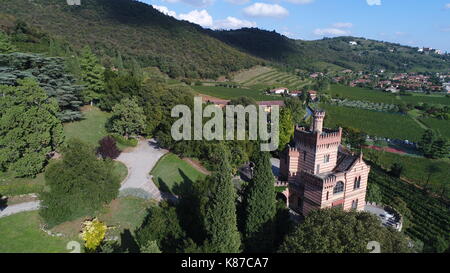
<point x="5" y="44"/>
<point x="220" y="217"/>
<point x="426" y="143"/>
<point x="92" y="74"/>
<point x="260" y="206"/>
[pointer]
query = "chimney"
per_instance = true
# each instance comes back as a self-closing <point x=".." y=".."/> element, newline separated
<point x="318" y="121"/>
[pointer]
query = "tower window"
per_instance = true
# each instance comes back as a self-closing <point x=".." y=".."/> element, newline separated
<point x="355" y="204"/>
<point x="326" y="158"/>
<point x="357" y="183"/>
<point x="304" y="156"/>
<point x="338" y="188"/>
<point x="327" y="194"/>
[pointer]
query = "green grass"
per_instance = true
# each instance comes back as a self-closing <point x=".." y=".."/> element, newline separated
<point x="365" y="94"/>
<point x="171" y="171"/>
<point x="443" y="126"/>
<point x="91" y="129"/>
<point x="20" y="233"/>
<point x="230" y="93"/>
<point x="415" y="169"/>
<point x="120" y="170"/>
<point x="11" y="186"/>
<point x="374" y="123"/>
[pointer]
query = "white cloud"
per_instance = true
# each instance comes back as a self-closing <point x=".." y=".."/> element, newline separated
<point x="447" y="6"/>
<point x="374" y="2"/>
<point x="195" y="3"/>
<point x="265" y="10"/>
<point x="300" y="2"/>
<point x="165" y="10"/>
<point x="233" y="23"/>
<point x="201" y="17"/>
<point x="342" y="25"/>
<point x="331" y="32"/>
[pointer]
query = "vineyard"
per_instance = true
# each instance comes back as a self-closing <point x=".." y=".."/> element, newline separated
<point x="269" y="77"/>
<point x="430" y="216"/>
<point x="374" y="123"/>
<point x="443" y="126"/>
<point x="230" y="93"/>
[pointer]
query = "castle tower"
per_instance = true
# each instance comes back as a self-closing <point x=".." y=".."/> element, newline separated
<point x="318" y="121"/>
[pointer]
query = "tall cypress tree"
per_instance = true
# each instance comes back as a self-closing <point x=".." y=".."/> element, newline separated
<point x="220" y="216"/>
<point x="260" y="208"/>
<point x="92" y="74"/>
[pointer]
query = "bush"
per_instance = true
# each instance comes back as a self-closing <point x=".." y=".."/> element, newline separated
<point x="131" y="142"/>
<point x="108" y="148"/>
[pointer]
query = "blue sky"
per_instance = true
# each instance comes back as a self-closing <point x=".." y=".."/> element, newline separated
<point x="410" y="22"/>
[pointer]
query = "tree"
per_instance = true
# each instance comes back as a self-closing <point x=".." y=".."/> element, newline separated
<point x="108" y="148"/>
<point x="337" y="231"/>
<point x="92" y="75"/>
<point x="396" y="169"/>
<point x="79" y="184"/>
<point x="220" y="217"/>
<point x="426" y="142"/>
<point x="5" y="44"/>
<point x="29" y="128"/>
<point x="297" y="109"/>
<point x="150" y="247"/>
<point x="127" y="118"/>
<point x="286" y="128"/>
<point x="260" y="206"/>
<point x="431" y="169"/>
<point x="440" y="148"/>
<point x="439" y="244"/>
<point x="402" y="207"/>
<point x="354" y="137"/>
<point x="374" y="193"/>
<point x="93" y="234"/>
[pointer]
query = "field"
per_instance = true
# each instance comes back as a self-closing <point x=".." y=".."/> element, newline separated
<point x="20" y="233"/>
<point x="263" y="77"/>
<point x="364" y="94"/>
<point x="230" y="93"/>
<point x="430" y="216"/>
<point x="91" y="129"/>
<point x="443" y="126"/>
<point x="171" y="171"/>
<point x="11" y="186"/>
<point x="380" y="124"/>
<point x="415" y="169"/>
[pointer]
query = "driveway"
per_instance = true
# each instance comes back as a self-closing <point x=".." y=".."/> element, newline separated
<point x="140" y="161"/>
<point x="22" y="207"/>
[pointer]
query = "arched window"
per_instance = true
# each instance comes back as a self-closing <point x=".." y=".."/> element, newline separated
<point x="339" y="187"/>
<point x="357" y="183"/>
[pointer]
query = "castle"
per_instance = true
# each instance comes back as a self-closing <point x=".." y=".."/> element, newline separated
<point x="320" y="172"/>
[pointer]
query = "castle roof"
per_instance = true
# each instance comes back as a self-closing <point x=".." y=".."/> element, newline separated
<point x="345" y="160"/>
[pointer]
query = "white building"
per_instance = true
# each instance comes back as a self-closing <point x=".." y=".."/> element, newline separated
<point x="353" y="43"/>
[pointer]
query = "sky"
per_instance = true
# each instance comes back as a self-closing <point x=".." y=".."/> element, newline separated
<point x="421" y="23"/>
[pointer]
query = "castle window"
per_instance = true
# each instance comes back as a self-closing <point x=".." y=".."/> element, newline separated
<point x="326" y="158"/>
<point x="357" y="183"/>
<point x="304" y="156"/>
<point x="327" y="194"/>
<point x="355" y="204"/>
<point x="338" y="188"/>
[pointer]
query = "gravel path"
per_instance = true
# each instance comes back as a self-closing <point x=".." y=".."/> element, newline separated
<point x="13" y="209"/>
<point x="140" y="161"/>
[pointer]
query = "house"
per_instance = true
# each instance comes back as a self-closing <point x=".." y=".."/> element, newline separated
<point x="269" y="104"/>
<point x="392" y="89"/>
<point x="320" y="172"/>
<point x="447" y="87"/>
<point x="279" y="91"/>
<point x="217" y="102"/>
<point x="295" y="93"/>
<point x="312" y="95"/>
<point x="353" y="43"/>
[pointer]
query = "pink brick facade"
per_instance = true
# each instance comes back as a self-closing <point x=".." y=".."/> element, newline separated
<point x="321" y="173"/>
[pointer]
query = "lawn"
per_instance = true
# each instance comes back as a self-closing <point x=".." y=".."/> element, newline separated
<point x="230" y="93"/>
<point x="91" y="129"/>
<point x="20" y="233"/>
<point x="11" y="186"/>
<point x="171" y="171"/>
<point x="416" y="169"/>
<point x="374" y="123"/>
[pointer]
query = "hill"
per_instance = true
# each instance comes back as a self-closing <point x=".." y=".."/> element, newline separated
<point x="332" y="53"/>
<point x="134" y="29"/>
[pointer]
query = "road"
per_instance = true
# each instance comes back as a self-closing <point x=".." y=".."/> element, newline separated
<point x="140" y="161"/>
<point x="22" y="207"/>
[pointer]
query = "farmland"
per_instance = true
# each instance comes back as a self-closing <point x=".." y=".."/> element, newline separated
<point x="364" y="94"/>
<point x="263" y="77"/>
<point x="374" y="123"/>
<point x="443" y="126"/>
<point x="430" y="216"/>
<point x="230" y="93"/>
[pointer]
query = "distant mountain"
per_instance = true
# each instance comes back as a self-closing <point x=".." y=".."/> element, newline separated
<point x="134" y="29"/>
<point x="332" y="52"/>
<point x="182" y="49"/>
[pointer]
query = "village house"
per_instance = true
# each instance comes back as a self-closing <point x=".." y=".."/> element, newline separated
<point x="279" y="91"/>
<point x="269" y="104"/>
<point x="320" y="172"/>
